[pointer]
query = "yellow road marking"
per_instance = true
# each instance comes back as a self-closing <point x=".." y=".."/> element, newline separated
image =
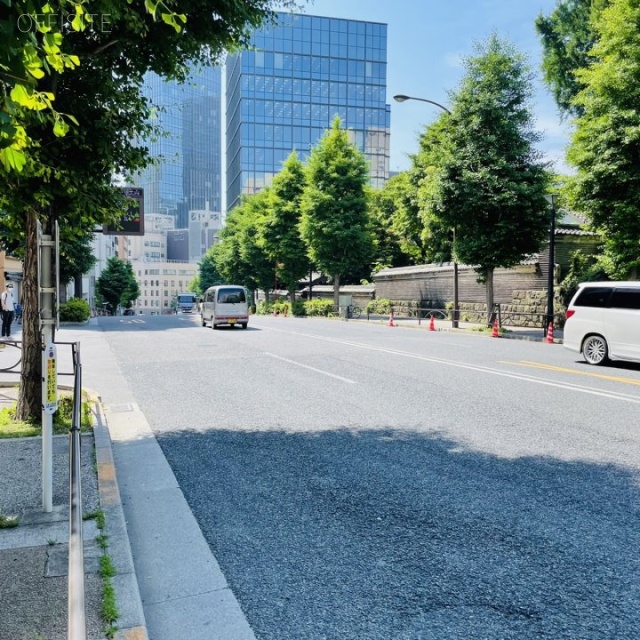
<point x="549" y="367"/>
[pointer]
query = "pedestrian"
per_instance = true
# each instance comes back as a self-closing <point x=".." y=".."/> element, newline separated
<point x="8" y="309"/>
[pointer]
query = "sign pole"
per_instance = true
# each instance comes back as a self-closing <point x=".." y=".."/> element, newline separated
<point x="49" y="373"/>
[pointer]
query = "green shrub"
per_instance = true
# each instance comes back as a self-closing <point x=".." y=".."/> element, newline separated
<point x="64" y="413"/>
<point x="380" y="306"/>
<point x="75" y="310"/>
<point x="321" y="307"/>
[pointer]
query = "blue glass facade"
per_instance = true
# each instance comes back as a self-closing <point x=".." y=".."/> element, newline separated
<point x="190" y="175"/>
<point x="285" y="92"/>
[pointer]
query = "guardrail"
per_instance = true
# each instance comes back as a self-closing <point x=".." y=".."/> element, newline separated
<point x="77" y="628"/>
<point x="505" y="318"/>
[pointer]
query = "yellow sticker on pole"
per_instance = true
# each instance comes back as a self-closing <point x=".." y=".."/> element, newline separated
<point x="49" y="379"/>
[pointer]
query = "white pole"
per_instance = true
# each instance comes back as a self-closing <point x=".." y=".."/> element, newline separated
<point x="46" y="315"/>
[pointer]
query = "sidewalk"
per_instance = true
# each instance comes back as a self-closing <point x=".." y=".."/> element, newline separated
<point x="168" y="585"/>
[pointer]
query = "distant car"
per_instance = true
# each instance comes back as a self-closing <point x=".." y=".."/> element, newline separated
<point x="129" y="312"/>
<point x="603" y="322"/>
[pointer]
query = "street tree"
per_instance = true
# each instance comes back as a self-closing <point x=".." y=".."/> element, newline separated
<point x="239" y="257"/>
<point x="68" y="178"/>
<point x="568" y="35"/>
<point x="492" y="183"/>
<point x="425" y="175"/>
<point x="280" y="227"/>
<point x="117" y="284"/>
<point x="335" y="222"/>
<point x="208" y="274"/>
<point x="606" y="144"/>
<point x="390" y="248"/>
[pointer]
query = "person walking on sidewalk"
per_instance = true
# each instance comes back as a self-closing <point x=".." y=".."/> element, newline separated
<point x="8" y="309"/>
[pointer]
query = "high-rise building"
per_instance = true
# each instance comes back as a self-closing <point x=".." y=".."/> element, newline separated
<point x="284" y="93"/>
<point x="190" y="174"/>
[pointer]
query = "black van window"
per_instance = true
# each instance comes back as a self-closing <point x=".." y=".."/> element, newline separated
<point x="626" y="298"/>
<point x="231" y="296"/>
<point x="593" y="297"/>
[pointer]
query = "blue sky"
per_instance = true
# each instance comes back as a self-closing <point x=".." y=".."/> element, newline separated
<point x="427" y="40"/>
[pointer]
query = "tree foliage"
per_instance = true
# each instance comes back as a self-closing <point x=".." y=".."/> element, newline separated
<point x="279" y="232"/>
<point x="117" y="285"/>
<point x="567" y="37"/>
<point x="492" y="185"/>
<point x="334" y="220"/>
<point x="606" y="144"/>
<point x="240" y="258"/>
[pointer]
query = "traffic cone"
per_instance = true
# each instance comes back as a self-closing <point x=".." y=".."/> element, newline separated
<point x="432" y="324"/>
<point x="495" y="333"/>
<point x="391" y="323"/>
<point x="549" y="338"/>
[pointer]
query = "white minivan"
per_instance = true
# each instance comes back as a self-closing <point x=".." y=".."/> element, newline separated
<point x="225" y="304"/>
<point x="603" y="322"/>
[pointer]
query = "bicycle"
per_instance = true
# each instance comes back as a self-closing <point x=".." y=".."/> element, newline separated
<point x="355" y="312"/>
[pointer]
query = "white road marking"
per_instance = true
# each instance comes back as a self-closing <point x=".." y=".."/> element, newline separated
<point x="490" y="370"/>
<point x="306" y="366"/>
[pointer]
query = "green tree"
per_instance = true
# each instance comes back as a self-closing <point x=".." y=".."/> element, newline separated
<point x="492" y="185"/>
<point x="280" y="228"/>
<point x="567" y="37"/>
<point x="69" y="178"/>
<point x="117" y="284"/>
<point x="426" y="173"/>
<point x="34" y="50"/>
<point x="208" y="274"/>
<point x="240" y="258"/>
<point x="606" y="145"/>
<point x="335" y="222"/>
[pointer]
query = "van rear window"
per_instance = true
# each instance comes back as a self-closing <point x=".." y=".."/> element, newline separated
<point x="593" y="297"/>
<point x="231" y="296"/>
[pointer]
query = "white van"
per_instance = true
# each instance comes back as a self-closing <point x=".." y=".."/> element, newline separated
<point x="603" y="322"/>
<point x="225" y="304"/>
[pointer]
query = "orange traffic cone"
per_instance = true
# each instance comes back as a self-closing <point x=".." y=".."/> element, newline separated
<point x="391" y="323"/>
<point x="549" y="338"/>
<point x="495" y="333"/>
<point x="432" y="324"/>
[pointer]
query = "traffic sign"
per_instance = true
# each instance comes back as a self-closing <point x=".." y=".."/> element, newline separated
<point x="49" y="379"/>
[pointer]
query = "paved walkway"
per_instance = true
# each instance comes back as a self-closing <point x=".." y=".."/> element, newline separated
<point x="168" y="585"/>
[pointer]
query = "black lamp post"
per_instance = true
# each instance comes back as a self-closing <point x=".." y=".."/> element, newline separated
<point x="454" y="320"/>
<point x="551" y="199"/>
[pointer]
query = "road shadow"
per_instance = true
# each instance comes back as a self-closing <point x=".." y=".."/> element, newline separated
<point x="390" y="534"/>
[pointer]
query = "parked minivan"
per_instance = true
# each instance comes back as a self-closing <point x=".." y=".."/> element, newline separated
<point x="603" y="322"/>
<point x="225" y="304"/>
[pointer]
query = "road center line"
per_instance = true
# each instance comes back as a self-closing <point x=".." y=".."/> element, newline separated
<point x="550" y="367"/>
<point x="306" y="366"/>
<point x="463" y="365"/>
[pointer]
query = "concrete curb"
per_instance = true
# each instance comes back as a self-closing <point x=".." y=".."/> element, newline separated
<point x="131" y="623"/>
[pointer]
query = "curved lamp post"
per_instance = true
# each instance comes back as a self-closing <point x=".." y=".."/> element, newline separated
<point x="454" y="321"/>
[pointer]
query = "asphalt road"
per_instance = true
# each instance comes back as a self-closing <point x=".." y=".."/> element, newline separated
<point x="358" y="481"/>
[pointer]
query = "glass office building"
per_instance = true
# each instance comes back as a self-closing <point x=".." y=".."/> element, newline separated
<point x="285" y="92"/>
<point x="190" y="174"/>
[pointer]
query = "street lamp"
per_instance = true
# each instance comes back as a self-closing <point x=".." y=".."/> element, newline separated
<point x="454" y="320"/>
<point x="551" y="199"/>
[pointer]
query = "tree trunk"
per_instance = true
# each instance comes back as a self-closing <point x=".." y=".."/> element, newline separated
<point x="489" y="289"/>
<point x="336" y="291"/>
<point x="30" y="394"/>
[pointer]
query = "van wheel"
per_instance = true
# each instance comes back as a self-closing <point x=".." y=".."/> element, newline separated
<point x="243" y="325"/>
<point x="213" y="325"/>
<point x="595" y="350"/>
